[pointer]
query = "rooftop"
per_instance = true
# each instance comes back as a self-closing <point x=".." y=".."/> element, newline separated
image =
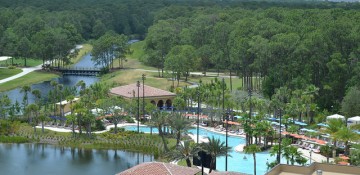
<point x="314" y="169"/>
<point x="130" y="91"/>
<point x="157" y="168"/>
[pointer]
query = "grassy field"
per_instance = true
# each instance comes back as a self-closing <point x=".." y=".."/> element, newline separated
<point x="131" y="75"/>
<point x="82" y="52"/>
<point x="137" y="51"/>
<point x="30" y="62"/>
<point x="236" y="82"/>
<point x="31" y="78"/>
<point x="133" y="58"/>
<point x="128" y="76"/>
<point x="4" y="73"/>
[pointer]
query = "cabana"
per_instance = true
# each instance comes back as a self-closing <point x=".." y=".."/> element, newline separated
<point x="353" y="121"/>
<point x="335" y="116"/>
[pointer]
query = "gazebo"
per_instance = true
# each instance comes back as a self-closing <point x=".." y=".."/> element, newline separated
<point x="353" y="120"/>
<point x="161" y="98"/>
<point x="335" y="116"/>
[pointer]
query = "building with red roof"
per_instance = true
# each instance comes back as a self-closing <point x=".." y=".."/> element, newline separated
<point x="160" y="98"/>
<point x="159" y="168"/>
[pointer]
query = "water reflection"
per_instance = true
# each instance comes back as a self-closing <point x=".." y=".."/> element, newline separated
<point x="49" y="159"/>
<point x="67" y="81"/>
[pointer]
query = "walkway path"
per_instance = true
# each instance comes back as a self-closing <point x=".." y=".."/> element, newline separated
<point x="24" y="72"/>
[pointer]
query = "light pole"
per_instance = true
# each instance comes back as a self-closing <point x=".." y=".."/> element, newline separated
<point x="198" y="116"/>
<point x="138" y="103"/>
<point x="246" y="120"/>
<point x="310" y="155"/>
<point x="226" y="143"/>
<point x="279" y="153"/>
<point x="143" y="77"/>
<point x="223" y="97"/>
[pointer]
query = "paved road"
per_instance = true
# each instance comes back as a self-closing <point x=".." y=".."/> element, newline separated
<point x="24" y="72"/>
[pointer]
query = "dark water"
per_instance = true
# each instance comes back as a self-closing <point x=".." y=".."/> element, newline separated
<point x="45" y="87"/>
<point x="43" y="159"/>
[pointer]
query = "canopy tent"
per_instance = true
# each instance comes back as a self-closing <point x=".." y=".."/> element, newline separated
<point x="353" y="120"/>
<point x="335" y="116"/>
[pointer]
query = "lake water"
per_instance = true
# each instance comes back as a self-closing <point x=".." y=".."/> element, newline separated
<point x="67" y="80"/>
<point x="38" y="159"/>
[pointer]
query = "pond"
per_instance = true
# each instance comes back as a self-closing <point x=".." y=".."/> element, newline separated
<point x="35" y="159"/>
<point x="45" y="87"/>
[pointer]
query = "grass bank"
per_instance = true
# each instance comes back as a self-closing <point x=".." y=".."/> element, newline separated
<point x="87" y="48"/>
<point x="5" y="72"/>
<point x="31" y="78"/>
<point x="125" y="140"/>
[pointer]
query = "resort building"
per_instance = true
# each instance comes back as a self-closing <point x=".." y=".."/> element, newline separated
<point x="160" y="168"/>
<point x="314" y="169"/>
<point x="161" y="98"/>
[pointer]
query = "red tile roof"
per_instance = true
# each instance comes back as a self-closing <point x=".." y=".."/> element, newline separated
<point x="130" y="91"/>
<point x="159" y="168"/>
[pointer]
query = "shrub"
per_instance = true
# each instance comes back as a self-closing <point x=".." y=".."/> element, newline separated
<point x="11" y="67"/>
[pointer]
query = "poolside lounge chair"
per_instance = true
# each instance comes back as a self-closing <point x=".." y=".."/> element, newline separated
<point x="316" y="149"/>
<point x="304" y="145"/>
<point x="310" y="147"/>
<point x="297" y="144"/>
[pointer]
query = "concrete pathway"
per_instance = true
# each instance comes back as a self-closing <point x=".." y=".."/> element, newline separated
<point x="24" y="72"/>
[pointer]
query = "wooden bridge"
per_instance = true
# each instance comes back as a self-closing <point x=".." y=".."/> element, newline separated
<point x="81" y="71"/>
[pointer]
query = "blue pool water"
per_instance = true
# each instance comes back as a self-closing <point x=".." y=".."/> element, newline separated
<point x="236" y="162"/>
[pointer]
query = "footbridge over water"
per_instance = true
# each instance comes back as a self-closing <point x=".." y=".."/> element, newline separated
<point x="81" y="71"/>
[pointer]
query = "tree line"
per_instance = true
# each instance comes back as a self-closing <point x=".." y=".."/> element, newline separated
<point x="268" y="48"/>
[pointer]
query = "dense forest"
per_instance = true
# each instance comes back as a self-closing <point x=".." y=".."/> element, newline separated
<point x="282" y="44"/>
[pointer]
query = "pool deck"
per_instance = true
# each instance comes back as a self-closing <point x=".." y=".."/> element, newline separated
<point x="315" y="157"/>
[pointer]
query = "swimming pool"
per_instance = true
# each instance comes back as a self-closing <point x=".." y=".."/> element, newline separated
<point x="236" y="162"/>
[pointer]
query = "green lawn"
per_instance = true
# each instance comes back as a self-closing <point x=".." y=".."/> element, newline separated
<point x="4" y="72"/>
<point x="137" y="50"/>
<point x="31" y="78"/>
<point x="30" y="62"/>
<point x="128" y="76"/>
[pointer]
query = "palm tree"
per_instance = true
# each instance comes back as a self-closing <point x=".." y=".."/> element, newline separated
<point x="291" y="154"/>
<point x="158" y="119"/>
<point x="334" y="126"/>
<point x="82" y="86"/>
<point x="215" y="148"/>
<point x="5" y="102"/>
<point x="326" y="149"/>
<point x="25" y="89"/>
<point x="37" y="94"/>
<point x="179" y="124"/>
<point x="345" y="135"/>
<point x="32" y="111"/>
<point x="252" y="149"/>
<point x="60" y="88"/>
<point x="185" y="150"/>
<point x="44" y="113"/>
<point x="54" y="85"/>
